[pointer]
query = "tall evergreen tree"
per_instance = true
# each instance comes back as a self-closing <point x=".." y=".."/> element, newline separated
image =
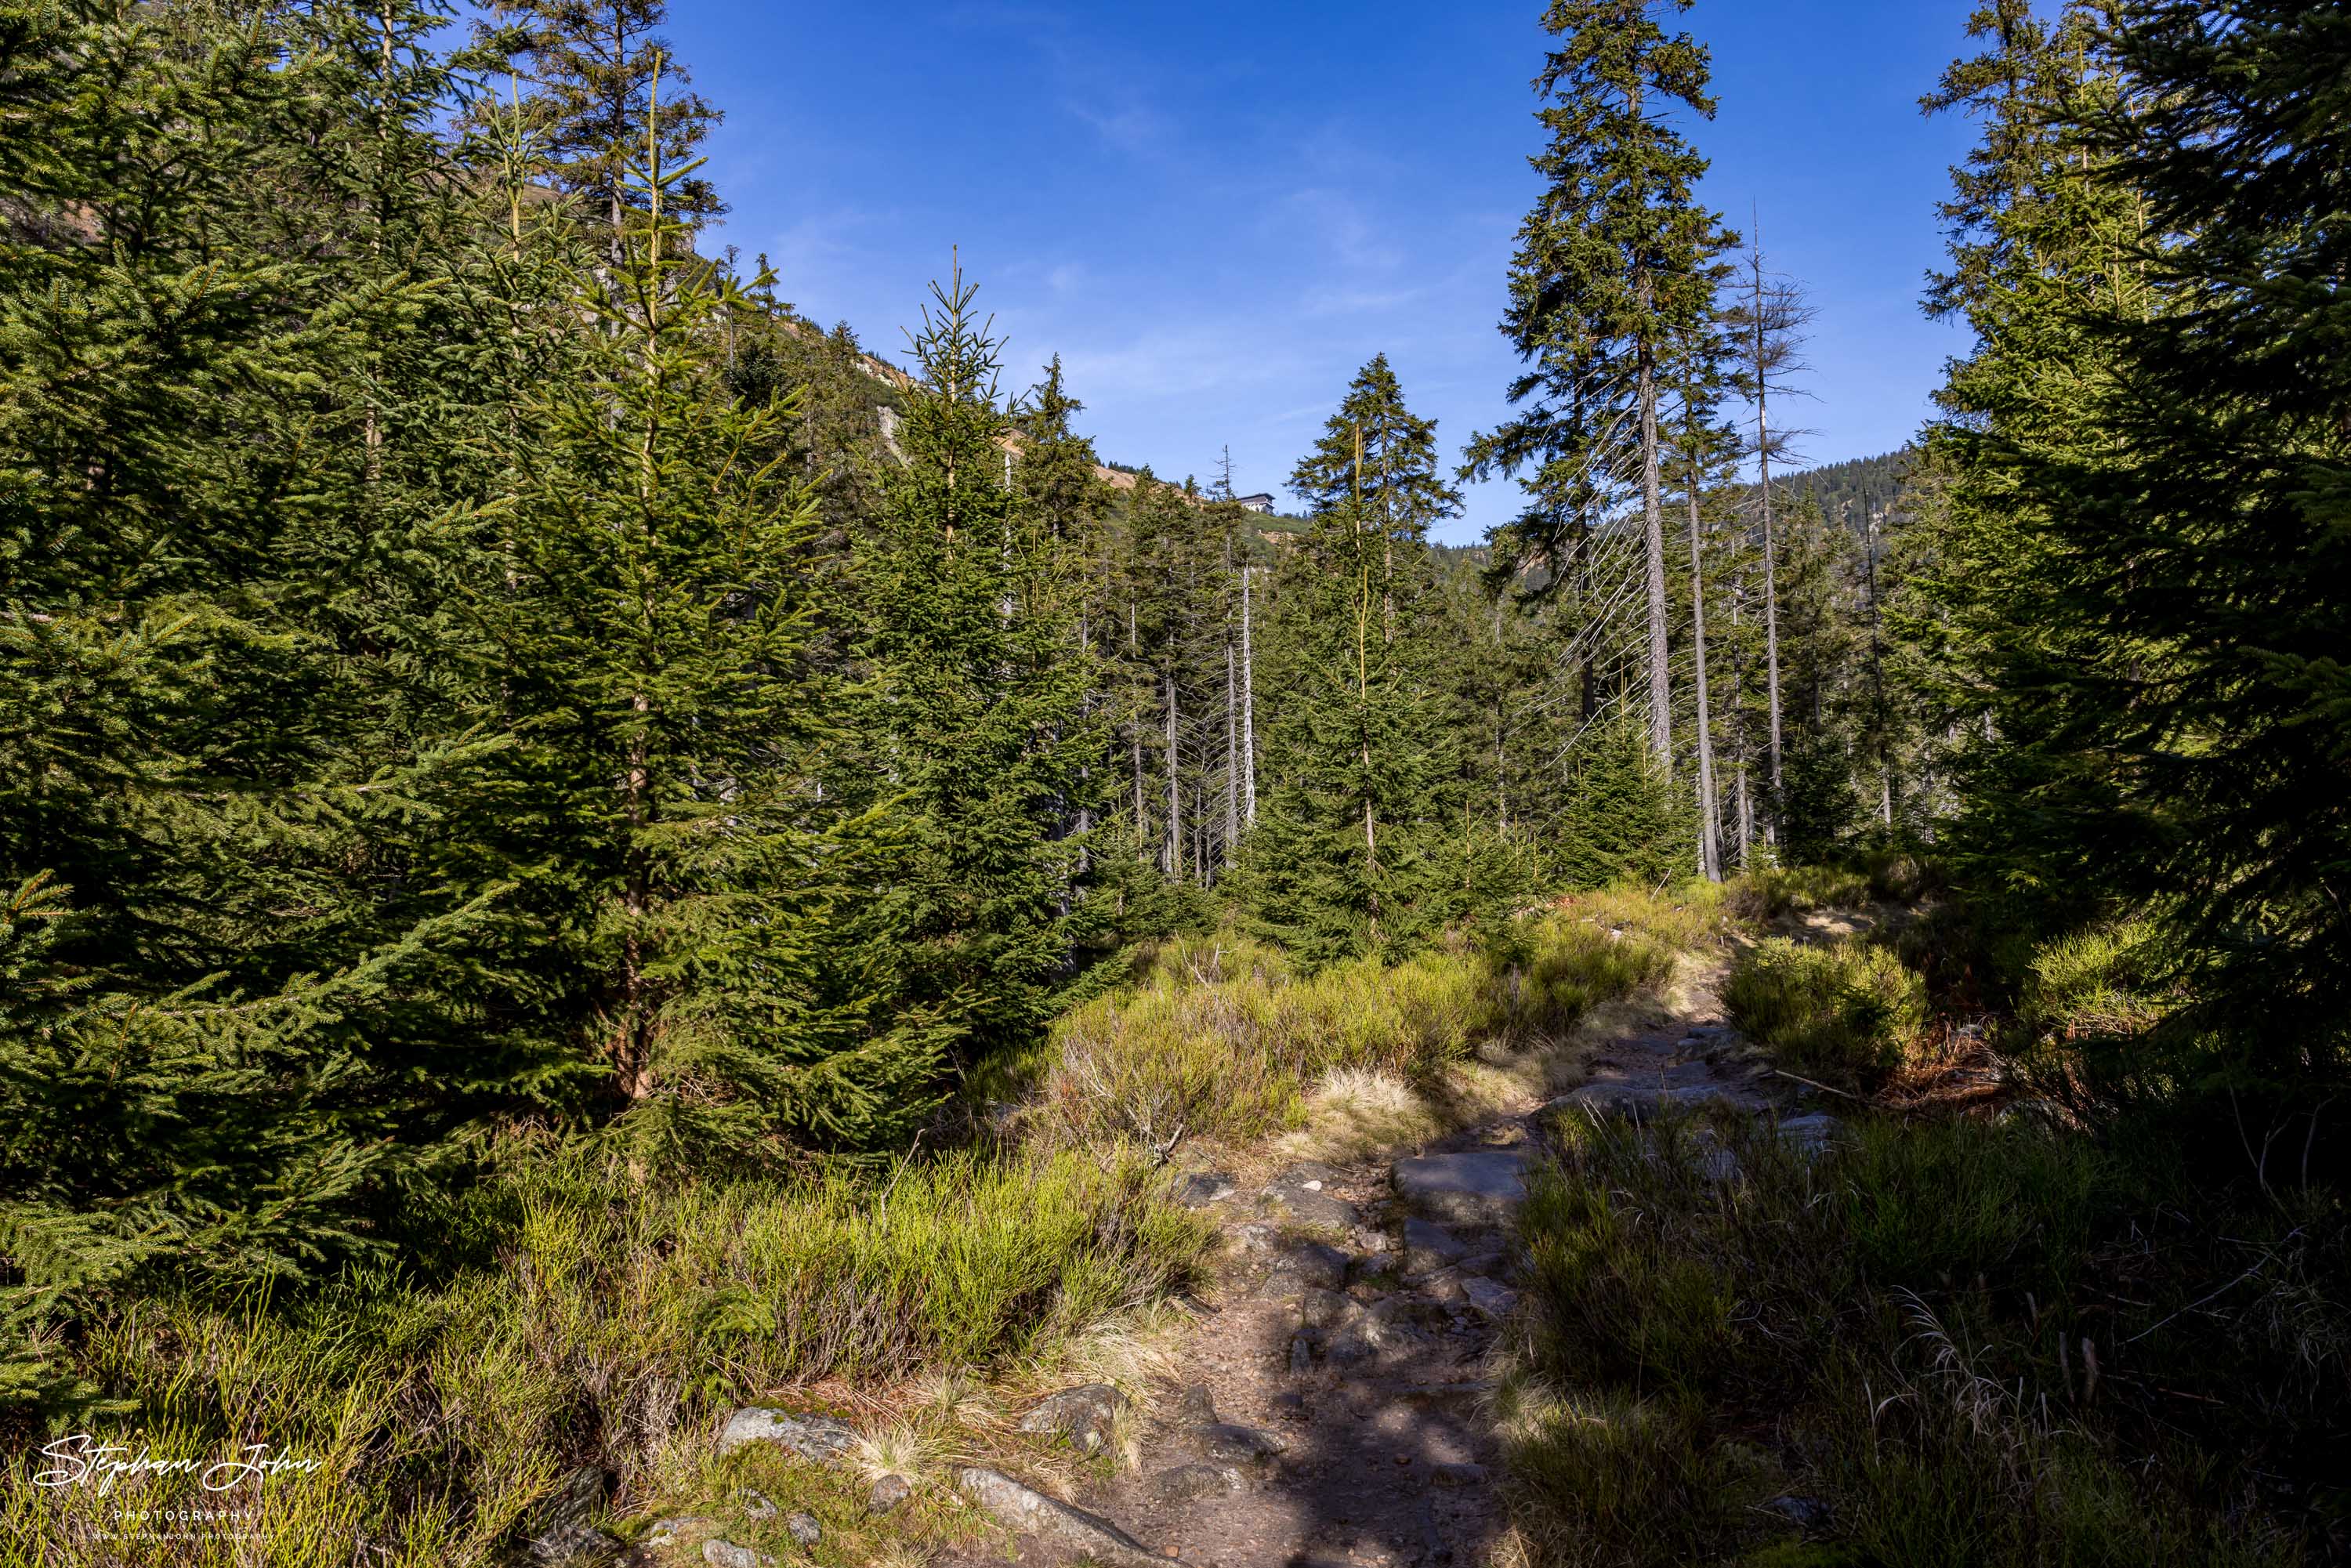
<point x="977" y="709"/>
<point x="2148" y="508"/>
<point x="1612" y="266"/>
<point x="592" y="65"/>
<point x="239" y="1038"/>
<point x="703" y="903"/>
<point x="1357" y="798"/>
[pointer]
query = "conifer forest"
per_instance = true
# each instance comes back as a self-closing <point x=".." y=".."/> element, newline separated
<point x="635" y="929"/>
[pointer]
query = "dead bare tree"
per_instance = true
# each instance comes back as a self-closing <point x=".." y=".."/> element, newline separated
<point x="1771" y="323"/>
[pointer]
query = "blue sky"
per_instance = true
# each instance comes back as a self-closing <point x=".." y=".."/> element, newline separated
<point x="1216" y="212"/>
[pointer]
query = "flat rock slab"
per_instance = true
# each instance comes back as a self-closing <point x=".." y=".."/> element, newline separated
<point x="1311" y="1206"/>
<point x="820" y="1439"/>
<point x="1639" y="1100"/>
<point x="1201" y="1188"/>
<point x="1187" y="1483"/>
<point x="1428" y="1247"/>
<point x="1083" y="1415"/>
<point x="1476" y="1187"/>
<point x="1024" y="1508"/>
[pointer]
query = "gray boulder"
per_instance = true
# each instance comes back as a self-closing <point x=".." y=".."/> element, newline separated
<point x="887" y="1493"/>
<point x="1081" y="1416"/>
<point x="1428" y="1247"/>
<point x="1475" y="1187"/>
<point x="1023" y="1508"/>
<point x="821" y="1439"/>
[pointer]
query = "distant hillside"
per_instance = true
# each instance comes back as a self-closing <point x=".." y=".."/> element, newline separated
<point x="1853" y="491"/>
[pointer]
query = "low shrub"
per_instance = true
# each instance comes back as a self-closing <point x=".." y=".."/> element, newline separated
<point x="1844" y="1013"/>
<point x="616" y="1323"/>
<point x="1768" y="893"/>
<point x="1220" y="1037"/>
<point x="2100" y="981"/>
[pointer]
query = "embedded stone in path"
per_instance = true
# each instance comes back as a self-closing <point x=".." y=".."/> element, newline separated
<point x="570" y="1546"/>
<point x="1488" y="1299"/>
<point x="1083" y="1415"/>
<point x="1201" y="1188"/>
<point x="726" y="1554"/>
<point x="1476" y="1187"/>
<point x="1023" y="1508"/>
<point x="820" y="1439"/>
<point x="1428" y="1247"/>
<point x="1185" y="1483"/>
<point x="1320" y="1264"/>
<point x="1304" y="1193"/>
<point x="1639" y="1100"/>
<point x="1236" y="1444"/>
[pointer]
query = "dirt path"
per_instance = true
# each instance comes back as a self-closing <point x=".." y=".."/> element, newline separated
<point x="1329" y="1406"/>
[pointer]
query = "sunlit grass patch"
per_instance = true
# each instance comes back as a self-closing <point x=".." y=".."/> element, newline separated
<point x="1221" y="1038"/>
<point x="1845" y="1013"/>
<point x="617" y="1322"/>
<point x="2101" y="981"/>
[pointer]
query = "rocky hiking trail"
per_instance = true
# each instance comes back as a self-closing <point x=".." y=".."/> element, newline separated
<point x="1331" y="1405"/>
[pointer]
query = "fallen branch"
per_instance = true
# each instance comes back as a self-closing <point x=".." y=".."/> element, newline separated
<point x="1822" y="1087"/>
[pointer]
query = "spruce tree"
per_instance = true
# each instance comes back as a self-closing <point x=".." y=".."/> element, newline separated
<point x="242" y="1041"/>
<point x="1358" y="809"/>
<point x="2038" y="245"/>
<point x="975" y="705"/>
<point x="592" y="65"/>
<point x="705" y="911"/>
<point x="2148" y="509"/>
<point x="1612" y="265"/>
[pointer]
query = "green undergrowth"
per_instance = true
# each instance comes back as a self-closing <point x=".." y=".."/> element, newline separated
<point x="615" y="1324"/>
<point x="1769" y="892"/>
<point x="1954" y="1341"/>
<point x="1847" y="1013"/>
<point x="1222" y="1037"/>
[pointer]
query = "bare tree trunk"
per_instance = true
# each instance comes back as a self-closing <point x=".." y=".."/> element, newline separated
<point x="1175" y="794"/>
<point x="1710" y="828"/>
<point x="1134" y="745"/>
<point x="1363" y="701"/>
<point x="1771" y="544"/>
<point x="1501" y="738"/>
<point x="1739" y="721"/>
<point x="1249" y="707"/>
<point x="1653" y="522"/>
<point x="1877" y="672"/>
<point x="1232" y="753"/>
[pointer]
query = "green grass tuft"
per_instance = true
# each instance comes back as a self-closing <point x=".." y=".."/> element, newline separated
<point x="1846" y="1014"/>
<point x="618" y="1322"/>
